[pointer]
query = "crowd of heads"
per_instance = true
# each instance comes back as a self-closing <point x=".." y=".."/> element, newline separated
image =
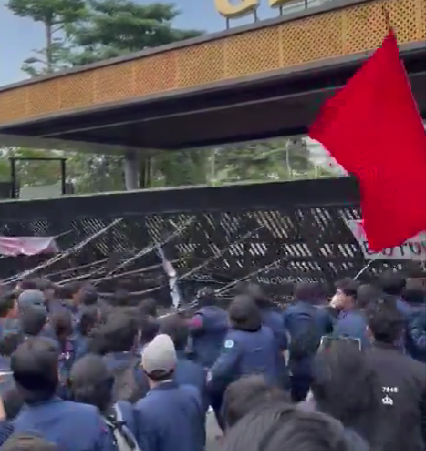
<point x="255" y="415"/>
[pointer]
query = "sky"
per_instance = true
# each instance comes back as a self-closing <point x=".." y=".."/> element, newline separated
<point x="19" y="36"/>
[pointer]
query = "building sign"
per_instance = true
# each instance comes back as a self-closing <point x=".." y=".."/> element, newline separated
<point x="231" y="9"/>
<point x="412" y="249"/>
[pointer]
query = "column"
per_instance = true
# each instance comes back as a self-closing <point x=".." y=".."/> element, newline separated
<point x="131" y="170"/>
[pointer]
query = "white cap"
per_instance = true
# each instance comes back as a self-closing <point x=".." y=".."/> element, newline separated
<point x="159" y="355"/>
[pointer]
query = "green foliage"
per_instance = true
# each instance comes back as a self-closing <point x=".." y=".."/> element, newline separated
<point x="54" y="15"/>
<point x="119" y="27"/>
<point x="85" y="31"/>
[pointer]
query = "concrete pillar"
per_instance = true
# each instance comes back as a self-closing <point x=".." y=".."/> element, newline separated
<point x="131" y="170"/>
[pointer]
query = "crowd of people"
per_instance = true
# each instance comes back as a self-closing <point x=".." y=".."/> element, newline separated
<point x="79" y="373"/>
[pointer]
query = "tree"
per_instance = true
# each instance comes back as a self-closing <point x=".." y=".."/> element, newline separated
<point x="54" y="15"/>
<point x="119" y="27"/>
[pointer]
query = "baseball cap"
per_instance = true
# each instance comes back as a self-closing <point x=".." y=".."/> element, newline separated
<point x="31" y="298"/>
<point x="159" y="355"/>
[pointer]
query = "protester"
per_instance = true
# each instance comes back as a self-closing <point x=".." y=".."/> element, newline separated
<point x="92" y="383"/>
<point x="246" y="394"/>
<point x="8" y="313"/>
<point x="402" y="380"/>
<point x="35" y="370"/>
<point x="351" y="321"/>
<point x="170" y="416"/>
<point x="187" y="372"/>
<point x="208" y="327"/>
<point x="347" y="388"/>
<point x="279" y="426"/>
<point x="306" y="324"/>
<point x="119" y="338"/>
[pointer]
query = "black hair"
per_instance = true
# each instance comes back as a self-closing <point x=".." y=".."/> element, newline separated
<point x="28" y="442"/>
<point x="149" y="328"/>
<point x="33" y="319"/>
<point x="70" y="289"/>
<point x="343" y="368"/>
<point x="367" y="293"/>
<point x="45" y="284"/>
<point x="160" y="375"/>
<point x="245" y="394"/>
<point x="277" y="426"/>
<point x="148" y="307"/>
<point x="121" y="298"/>
<point x="89" y="296"/>
<point x="385" y="321"/>
<point x="91" y="382"/>
<point x="177" y="329"/>
<point x="119" y="333"/>
<point x="35" y="369"/>
<point x="28" y="284"/>
<point x="10" y="342"/>
<point x="62" y="324"/>
<point x="245" y="314"/>
<point x="306" y="291"/>
<point x="13" y="402"/>
<point x="348" y="286"/>
<point x="88" y="320"/>
<point x="392" y="283"/>
<point x="7" y="303"/>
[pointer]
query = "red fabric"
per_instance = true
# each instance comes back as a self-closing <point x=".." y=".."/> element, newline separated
<point x="374" y="130"/>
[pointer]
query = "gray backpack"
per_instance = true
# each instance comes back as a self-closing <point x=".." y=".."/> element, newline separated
<point x="123" y="437"/>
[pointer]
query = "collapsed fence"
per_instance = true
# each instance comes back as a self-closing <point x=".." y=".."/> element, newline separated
<point x="274" y="234"/>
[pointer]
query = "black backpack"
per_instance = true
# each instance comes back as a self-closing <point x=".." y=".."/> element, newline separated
<point x="305" y="342"/>
<point x="126" y="387"/>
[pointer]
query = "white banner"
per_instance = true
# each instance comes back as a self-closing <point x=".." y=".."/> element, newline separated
<point x="412" y="249"/>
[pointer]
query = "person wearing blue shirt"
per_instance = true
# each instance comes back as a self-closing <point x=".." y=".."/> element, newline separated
<point x="306" y="323"/>
<point x="351" y="322"/>
<point x="187" y="372"/>
<point x="72" y="426"/>
<point x="170" y="417"/>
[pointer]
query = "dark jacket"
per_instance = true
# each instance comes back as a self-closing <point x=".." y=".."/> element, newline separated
<point x="403" y="392"/>
<point x="244" y="353"/>
<point x="188" y="372"/>
<point x="72" y="426"/>
<point x="352" y="324"/>
<point x="416" y="336"/>
<point x="170" y="418"/>
<point x="6" y="430"/>
<point x="208" y="329"/>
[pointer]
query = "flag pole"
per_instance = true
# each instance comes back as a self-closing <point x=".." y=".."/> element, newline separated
<point x="386" y="16"/>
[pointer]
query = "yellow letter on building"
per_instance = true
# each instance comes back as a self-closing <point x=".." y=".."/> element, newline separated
<point x="231" y="10"/>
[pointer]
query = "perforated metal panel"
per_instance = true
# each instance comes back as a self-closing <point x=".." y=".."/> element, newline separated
<point x="350" y="30"/>
<point x="272" y="246"/>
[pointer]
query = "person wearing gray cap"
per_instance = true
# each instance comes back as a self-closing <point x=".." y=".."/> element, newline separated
<point x="170" y="416"/>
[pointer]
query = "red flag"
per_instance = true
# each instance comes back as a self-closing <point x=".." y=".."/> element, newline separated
<point x="374" y="130"/>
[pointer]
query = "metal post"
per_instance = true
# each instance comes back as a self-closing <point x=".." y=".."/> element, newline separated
<point x="13" y="177"/>
<point x="64" y="176"/>
<point x="131" y="170"/>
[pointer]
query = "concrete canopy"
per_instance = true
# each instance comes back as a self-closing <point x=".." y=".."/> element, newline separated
<point x="247" y="83"/>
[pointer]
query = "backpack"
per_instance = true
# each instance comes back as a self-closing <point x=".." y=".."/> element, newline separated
<point x="124" y="439"/>
<point x="126" y="387"/>
<point x="306" y="342"/>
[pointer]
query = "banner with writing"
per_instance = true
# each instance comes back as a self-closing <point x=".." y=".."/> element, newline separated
<point x="412" y="249"/>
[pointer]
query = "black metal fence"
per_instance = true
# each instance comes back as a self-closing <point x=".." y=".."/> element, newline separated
<point x="275" y="234"/>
